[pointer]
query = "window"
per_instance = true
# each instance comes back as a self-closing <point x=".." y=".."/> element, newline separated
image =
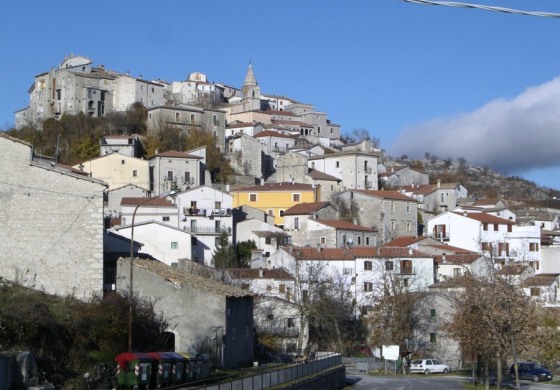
<point x="281" y="213"/>
<point x="296" y="197"/>
<point x="135" y="173"/>
<point x="535" y="291"/>
<point x="368" y="266"/>
<point x="338" y="164"/>
<point x="496" y="227"/>
<point x="359" y="240"/>
<point x="433" y="338"/>
<point x="271" y="212"/>
<point x="215" y="120"/>
<point x="368" y="286"/>
<point x="392" y="207"/>
<point x="456" y="272"/>
<point x="252" y="197"/>
<point x="408" y="226"/>
<point x="282" y="288"/>
<point x="405" y="282"/>
<point x="393" y="225"/>
<point x="485" y="227"/>
<point x="433" y="313"/>
<point x="290" y="323"/>
<point x="187" y="176"/>
<point x="441" y="198"/>
<point x="217" y="241"/>
<point x="296" y="223"/>
<point x="192" y="119"/>
<point x="174" y="245"/>
<point x="389" y="265"/>
<point x="170" y="175"/>
<point x="193" y="241"/>
<point x="509" y="228"/>
<point x="177" y="117"/>
<point x="367" y="241"/>
<point x="165" y="219"/>
<point x="347" y="271"/>
<point x="323" y="240"/>
<point x="533" y="247"/>
<point x="268" y="240"/>
<point x="503" y="249"/>
<point x="122" y="162"/>
<point x="406" y="266"/>
<point x="487" y="246"/>
<point x="408" y="209"/>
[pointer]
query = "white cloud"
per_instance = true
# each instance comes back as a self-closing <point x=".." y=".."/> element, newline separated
<point x="513" y="135"/>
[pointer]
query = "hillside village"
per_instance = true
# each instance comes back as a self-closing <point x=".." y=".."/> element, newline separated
<point x="321" y="218"/>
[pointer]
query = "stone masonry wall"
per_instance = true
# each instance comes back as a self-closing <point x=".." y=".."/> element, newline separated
<point x="51" y="232"/>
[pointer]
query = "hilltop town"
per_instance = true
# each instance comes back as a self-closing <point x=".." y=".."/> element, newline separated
<point x="277" y="224"/>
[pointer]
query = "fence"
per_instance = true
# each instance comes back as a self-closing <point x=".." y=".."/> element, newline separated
<point x="266" y="378"/>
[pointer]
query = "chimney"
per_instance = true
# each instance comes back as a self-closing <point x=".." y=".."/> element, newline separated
<point x="438" y="183"/>
<point x="261" y="272"/>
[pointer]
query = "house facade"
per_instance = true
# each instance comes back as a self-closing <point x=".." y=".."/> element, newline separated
<point x="174" y="170"/>
<point x="118" y="170"/>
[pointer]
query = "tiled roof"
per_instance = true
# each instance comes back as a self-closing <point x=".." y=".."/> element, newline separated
<point x="276" y="112"/>
<point x="539" y="280"/>
<point x="458" y="259"/>
<point x="178" y="277"/>
<point x="338" y="224"/>
<point x="451" y="249"/>
<point x="405" y="241"/>
<point x="305" y="208"/>
<point x="322" y="254"/>
<point x="486" y="202"/>
<point x="294" y="123"/>
<point x="391" y="195"/>
<point x="363" y="251"/>
<point x="269" y="187"/>
<point x="159" y="202"/>
<point x="176" y="154"/>
<point x="270" y="133"/>
<point x="486" y="218"/>
<point x="253" y="273"/>
<point x="237" y="125"/>
<point x="318" y="175"/>
<point x="387" y="251"/>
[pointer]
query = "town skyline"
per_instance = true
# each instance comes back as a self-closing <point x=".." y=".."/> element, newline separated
<point x="381" y="74"/>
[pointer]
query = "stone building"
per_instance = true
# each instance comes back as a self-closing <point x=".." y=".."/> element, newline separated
<point x="198" y="310"/>
<point x="392" y="213"/>
<point x="52" y="224"/>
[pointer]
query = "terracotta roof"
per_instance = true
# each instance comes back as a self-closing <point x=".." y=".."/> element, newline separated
<point x="270" y="133"/>
<point x="305" y="208"/>
<point x="277" y="112"/>
<point x="322" y="254"/>
<point x="318" y="175"/>
<point x="338" y="224"/>
<point x="387" y="251"/>
<point x="363" y="251"/>
<point x="514" y="269"/>
<point x="253" y="273"/>
<point x="284" y="186"/>
<point x="236" y="125"/>
<point x="405" y="241"/>
<point x="175" y="154"/>
<point x="179" y="277"/>
<point x="486" y="218"/>
<point x="392" y="195"/>
<point x="458" y="259"/>
<point x="159" y="202"/>
<point x="452" y="249"/>
<point x="538" y="280"/>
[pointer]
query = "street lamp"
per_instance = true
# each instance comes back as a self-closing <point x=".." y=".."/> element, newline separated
<point x="130" y="290"/>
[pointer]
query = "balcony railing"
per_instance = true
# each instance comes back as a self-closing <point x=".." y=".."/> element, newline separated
<point x="441" y="236"/>
<point x="194" y="212"/>
<point x="206" y="230"/>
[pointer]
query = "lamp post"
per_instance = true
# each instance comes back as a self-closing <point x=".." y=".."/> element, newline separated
<point x="131" y="276"/>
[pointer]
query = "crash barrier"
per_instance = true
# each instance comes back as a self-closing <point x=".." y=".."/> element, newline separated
<point x="265" y="378"/>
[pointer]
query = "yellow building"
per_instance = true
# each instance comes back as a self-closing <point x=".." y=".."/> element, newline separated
<point x="274" y="198"/>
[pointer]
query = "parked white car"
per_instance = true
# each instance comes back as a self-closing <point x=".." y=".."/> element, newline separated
<point x="428" y="366"/>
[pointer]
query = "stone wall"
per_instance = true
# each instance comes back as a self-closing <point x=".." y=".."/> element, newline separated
<point x="52" y="225"/>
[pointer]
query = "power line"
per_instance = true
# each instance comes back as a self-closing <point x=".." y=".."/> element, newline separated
<point x="48" y="191"/>
<point x="485" y="7"/>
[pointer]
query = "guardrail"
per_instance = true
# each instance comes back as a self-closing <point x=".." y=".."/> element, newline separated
<point x="265" y="378"/>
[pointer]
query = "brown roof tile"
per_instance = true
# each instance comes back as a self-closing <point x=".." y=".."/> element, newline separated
<point x="305" y="208"/>
<point x="284" y="186"/>
<point x="159" y="202"/>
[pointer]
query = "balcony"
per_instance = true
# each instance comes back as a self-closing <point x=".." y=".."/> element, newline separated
<point x="209" y="213"/>
<point x="206" y="230"/>
<point x="440" y="236"/>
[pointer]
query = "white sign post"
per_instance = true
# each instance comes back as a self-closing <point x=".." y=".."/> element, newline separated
<point x="390" y="352"/>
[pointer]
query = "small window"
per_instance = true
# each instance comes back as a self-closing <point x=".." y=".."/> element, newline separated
<point x="368" y="265"/>
<point x="367" y="241"/>
<point x="457" y="272"/>
<point x="282" y="288"/>
<point x="392" y="207"/>
<point x="270" y="316"/>
<point x="252" y="197"/>
<point x="389" y="265"/>
<point x="271" y="212"/>
<point x="323" y="240"/>
<point x="433" y="338"/>
<point x="170" y="175"/>
<point x="368" y="286"/>
<point x="290" y="323"/>
<point x="281" y="213"/>
<point x="296" y="197"/>
<point x="338" y="164"/>
<point x="165" y="219"/>
<point x="485" y="226"/>
<point x="533" y="247"/>
<point x="193" y="241"/>
<point x="347" y="271"/>
<point x="268" y="240"/>
<point x="433" y="313"/>
<point x="135" y="173"/>
<point x="535" y="292"/>
<point x="496" y="227"/>
<point x="174" y="245"/>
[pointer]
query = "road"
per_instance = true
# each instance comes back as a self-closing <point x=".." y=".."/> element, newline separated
<point x="420" y="382"/>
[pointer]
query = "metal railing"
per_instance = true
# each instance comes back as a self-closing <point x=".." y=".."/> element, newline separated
<point x="267" y="378"/>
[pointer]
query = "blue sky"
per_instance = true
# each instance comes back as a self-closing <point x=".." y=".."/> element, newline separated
<point x="452" y="82"/>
